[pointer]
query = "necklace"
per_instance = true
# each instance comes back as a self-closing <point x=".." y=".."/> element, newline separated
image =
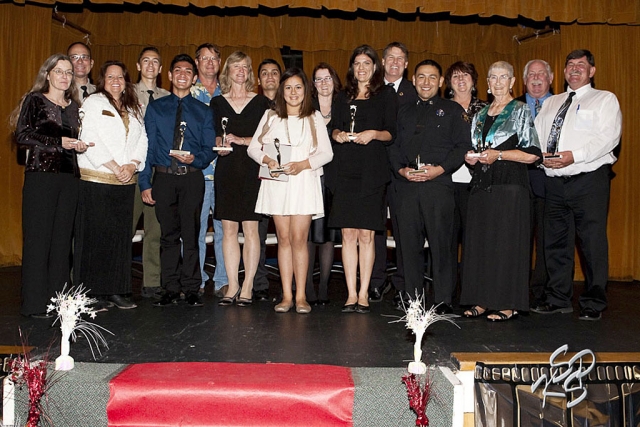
<point x="328" y="116"/>
<point x="235" y="106"/>
<point x="286" y="124"/>
<point x="64" y="103"/>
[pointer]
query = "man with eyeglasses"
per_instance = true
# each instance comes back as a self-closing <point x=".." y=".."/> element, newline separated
<point x="579" y="131"/>
<point x="150" y="66"/>
<point x="395" y="59"/>
<point x="537" y="79"/>
<point x="80" y="55"/>
<point x="206" y="87"/>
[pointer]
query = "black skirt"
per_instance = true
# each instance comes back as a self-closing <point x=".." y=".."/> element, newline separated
<point x="102" y="259"/>
<point x="497" y="249"/>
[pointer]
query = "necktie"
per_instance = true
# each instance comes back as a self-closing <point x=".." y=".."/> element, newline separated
<point x="177" y="136"/>
<point x="150" y="92"/>
<point x="84" y="92"/>
<point x="556" y="127"/>
<point x="538" y="107"/>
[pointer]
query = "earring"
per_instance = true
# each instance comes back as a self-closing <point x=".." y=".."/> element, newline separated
<point x="451" y="93"/>
<point x="489" y="91"/>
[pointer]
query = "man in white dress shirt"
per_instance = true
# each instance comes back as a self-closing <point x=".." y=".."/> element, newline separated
<point x="577" y="161"/>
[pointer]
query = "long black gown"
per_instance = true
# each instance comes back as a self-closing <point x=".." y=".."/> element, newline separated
<point x="497" y="241"/>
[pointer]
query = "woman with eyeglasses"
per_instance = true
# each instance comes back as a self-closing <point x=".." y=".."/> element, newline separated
<point x="363" y="122"/>
<point x="325" y="89"/>
<point x="112" y="120"/>
<point x="46" y="123"/>
<point x="495" y="279"/>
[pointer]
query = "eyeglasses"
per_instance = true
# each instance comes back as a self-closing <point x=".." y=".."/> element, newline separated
<point x="327" y="79"/>
<point x="209" y="58"/>
<point x="76" y="58"/>
<point x="59" y="72"/>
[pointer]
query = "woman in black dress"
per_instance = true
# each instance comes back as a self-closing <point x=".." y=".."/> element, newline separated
<point x="46" y="123"/>
<point x="496" y="257"/>
<point x="237" y="114"/>
<point x="363" y="123"/>
<point x="326" y="87"/>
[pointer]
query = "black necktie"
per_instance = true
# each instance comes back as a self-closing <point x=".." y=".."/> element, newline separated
<point x="150" y="92"/>
<point x="84" y="92"/>
<point x="177" y="136"/>
<point x="556" y="127"/>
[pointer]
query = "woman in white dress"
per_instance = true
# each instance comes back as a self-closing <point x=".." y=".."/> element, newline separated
<point x="293" y="138"/>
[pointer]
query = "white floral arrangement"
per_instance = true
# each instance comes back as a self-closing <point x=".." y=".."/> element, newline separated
<point x="418" y="320"/>
<point x="70" y="305"/>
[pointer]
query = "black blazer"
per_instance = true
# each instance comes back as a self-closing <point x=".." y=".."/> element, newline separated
<point x="406" y="93"/>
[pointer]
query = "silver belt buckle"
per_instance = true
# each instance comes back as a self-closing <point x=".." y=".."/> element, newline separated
<point x="182" y="170"/>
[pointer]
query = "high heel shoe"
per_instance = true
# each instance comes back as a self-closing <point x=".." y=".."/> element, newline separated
<point x="226" y="301"/>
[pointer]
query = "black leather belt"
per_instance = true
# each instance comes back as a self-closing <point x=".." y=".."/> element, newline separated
<point x="181" y="170"/>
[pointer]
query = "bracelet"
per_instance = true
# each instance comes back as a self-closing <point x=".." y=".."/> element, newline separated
<point x="500" y="155"/>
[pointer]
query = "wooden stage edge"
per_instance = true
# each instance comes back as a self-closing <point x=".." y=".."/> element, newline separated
<point x="467" y="361"/>
<point x="14" y="349"/>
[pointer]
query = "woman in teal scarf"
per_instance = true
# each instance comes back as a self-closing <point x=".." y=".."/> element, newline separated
<point x="496" y="257"/>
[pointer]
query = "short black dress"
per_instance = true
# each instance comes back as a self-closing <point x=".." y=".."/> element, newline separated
<point x="236" y="176"/>
<point x="359" y="173"/>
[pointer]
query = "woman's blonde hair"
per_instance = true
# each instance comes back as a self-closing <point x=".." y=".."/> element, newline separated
<point x="234" y="58"/>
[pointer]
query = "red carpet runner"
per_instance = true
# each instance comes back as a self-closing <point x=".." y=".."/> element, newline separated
<point x="231" y="394"/>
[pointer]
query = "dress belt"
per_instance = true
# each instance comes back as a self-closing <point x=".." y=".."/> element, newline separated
<point x="104" y="177"/>
<point x="181" y="170"/>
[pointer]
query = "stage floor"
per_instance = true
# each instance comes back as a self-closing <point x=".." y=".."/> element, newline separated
<point x="325" y="336"/>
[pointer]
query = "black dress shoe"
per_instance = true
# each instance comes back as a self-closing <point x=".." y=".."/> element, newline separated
<point x="548" y="308"/>
<point x="444" y="308"/>
<point x="377" y="294"/>
<point x="121" y="302"/>
<point x="400" y="301"/>
<point x="169" y="298"/>
<point x="261" y="295"/>
<point x="154" y="293"/>
<point x="590" y="314"/>
<point x="41" y="315"/>
<point x="322" y="302"/>
<point x="194" y="299"/>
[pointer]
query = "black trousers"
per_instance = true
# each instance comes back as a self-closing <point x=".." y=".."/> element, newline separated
<point x="425" y="210"/>
<point x="461" y="199"/>
<point x="539" y="275"/>
<point x="379" y="273"/>
<point x="49" y="202"/>
<point x="576" y="209"/>
<point x="178" y="205"/>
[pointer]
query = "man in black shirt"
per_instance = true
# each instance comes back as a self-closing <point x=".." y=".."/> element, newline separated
<point x="433" y="138"/>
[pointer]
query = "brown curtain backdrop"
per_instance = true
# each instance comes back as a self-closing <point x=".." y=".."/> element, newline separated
<point x="606" y="11"/>
<point x="23" y="49"/>
<point x="122" y="35"/>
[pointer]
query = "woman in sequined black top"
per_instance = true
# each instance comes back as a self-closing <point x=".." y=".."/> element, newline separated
<point x="46" y="123"/>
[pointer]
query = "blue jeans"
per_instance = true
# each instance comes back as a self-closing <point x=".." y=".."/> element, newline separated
<point x="208" y="205"/>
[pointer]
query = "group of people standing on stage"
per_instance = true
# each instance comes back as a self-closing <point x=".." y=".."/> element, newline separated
<point x="330" y="164"/>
